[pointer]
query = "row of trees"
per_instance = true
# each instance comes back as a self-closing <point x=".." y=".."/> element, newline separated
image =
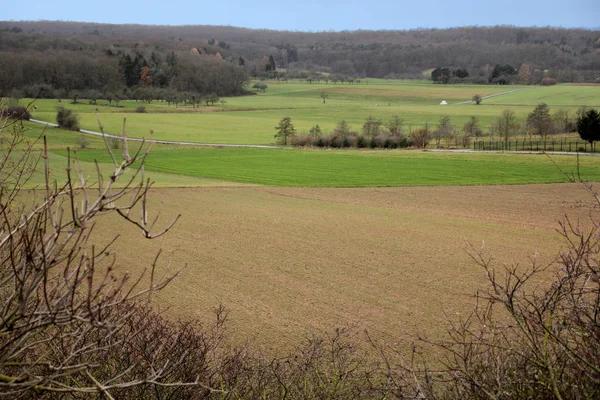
<point x="393" y="133"/>
<point x="374" y="134"/>
<point x="112" y="99"/>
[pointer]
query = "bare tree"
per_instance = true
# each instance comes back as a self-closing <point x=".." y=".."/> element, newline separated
<point x="421" y="137"/>
<point x="69" y="323"/>
<point x="506" y="125"/>
<point x="443" y="130"/>
<point x="540" y="122"/>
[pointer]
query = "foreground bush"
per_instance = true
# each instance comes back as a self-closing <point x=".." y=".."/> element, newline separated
<point x="16" y="112"/>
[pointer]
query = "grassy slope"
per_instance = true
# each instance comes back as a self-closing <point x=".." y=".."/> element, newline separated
<point x="560" y="95"/>
<point x="59" y="139"/>
<point x="251" y="119"/>
<point x="321" y="168"/>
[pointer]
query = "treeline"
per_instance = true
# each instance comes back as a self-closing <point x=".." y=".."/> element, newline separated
<point x="394" y="133"/>
<point x="562" y="54"/>
<point x="30" y="66"/>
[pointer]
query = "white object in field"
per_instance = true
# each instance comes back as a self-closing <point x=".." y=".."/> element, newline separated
<point x="444" y="103"/>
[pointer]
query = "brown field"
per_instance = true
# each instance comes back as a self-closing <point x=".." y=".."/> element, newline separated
<point x="290" y="261"/>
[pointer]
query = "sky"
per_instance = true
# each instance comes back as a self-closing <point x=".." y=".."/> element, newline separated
<point x="314" y="15"/>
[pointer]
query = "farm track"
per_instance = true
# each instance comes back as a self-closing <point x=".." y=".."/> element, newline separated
<point x="108" y="135"/>
<point x="494" y="95"/>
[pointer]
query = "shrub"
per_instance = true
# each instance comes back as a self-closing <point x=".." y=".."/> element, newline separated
<point x="140" y="109"/>
<point x="548" y="82"/>
<point x="83" y="142"/>
<point x="301" y="140"/>
<point x="336" y="141"/>
<point x="362" y="142"/>
<point x="380" y="141"/>
<point x="397" y="141"/>
<point x="421" y="137"/>
<point x="351" y="141"/>
<point x="16" y="112"/>
<point x="67" y="119"/>
<point x="466" y="141"/>
<point x="114" y="143"/>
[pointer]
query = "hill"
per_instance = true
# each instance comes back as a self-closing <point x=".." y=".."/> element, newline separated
<point x="79" y="55"/>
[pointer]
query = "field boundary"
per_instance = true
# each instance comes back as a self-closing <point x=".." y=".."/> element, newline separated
<point x="554" y="153"/>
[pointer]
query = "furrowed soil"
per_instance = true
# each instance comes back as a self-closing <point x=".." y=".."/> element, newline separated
<point x="287" y="262"/>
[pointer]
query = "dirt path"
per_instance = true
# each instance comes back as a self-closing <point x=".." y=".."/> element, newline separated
<point x="494" y="95"/>
<point x="94" y="133"/>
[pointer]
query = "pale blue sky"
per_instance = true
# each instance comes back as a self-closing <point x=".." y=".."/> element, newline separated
<point x="313" y="15"/>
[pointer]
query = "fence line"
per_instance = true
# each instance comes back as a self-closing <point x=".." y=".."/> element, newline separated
<point x="538" y="145"/>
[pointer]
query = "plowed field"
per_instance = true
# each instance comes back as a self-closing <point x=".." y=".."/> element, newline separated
<point x="289" y="261"/>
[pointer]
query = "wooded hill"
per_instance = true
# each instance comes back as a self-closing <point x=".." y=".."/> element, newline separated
<point x="76" y="55"/>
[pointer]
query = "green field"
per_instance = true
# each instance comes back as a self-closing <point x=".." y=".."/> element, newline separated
<point x="251" y="119"/>
<point x="560" y="95"/>
<point x="58" y="140"/>
<point x="353" y="168"/>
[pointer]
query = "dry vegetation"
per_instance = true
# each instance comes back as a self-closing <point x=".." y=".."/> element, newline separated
<point x="287" y="262"/>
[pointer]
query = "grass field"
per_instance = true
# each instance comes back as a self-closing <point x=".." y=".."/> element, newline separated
<point x="251" y="119"/>
<point x="290" y="261"/>
<point x="351" y="168"/>
<point x="58" y="140"/>
<point x="559" y="95"/>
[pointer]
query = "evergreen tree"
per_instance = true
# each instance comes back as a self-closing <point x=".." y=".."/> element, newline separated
<point x="271" y="67"/>
<point x="588" y="126"/>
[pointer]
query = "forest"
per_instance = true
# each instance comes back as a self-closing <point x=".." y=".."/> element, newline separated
<point x="55" y="59"/>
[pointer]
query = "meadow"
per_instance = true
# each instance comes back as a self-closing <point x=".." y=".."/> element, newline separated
<point x="354" y="168"/>
<point x="251" y="119"/>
